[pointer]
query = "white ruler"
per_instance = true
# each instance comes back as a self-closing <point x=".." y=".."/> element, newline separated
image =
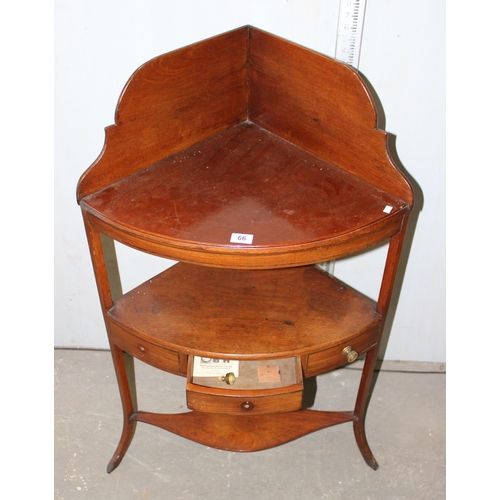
<point x="350" y="31"/>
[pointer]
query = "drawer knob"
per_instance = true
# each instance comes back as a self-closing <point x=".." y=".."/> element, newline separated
<point x="229" y="378"/>
<point x="247" y="405"/>
<point x="351" y="355"/>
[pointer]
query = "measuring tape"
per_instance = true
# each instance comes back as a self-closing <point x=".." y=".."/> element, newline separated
<point x="349" y="31"/>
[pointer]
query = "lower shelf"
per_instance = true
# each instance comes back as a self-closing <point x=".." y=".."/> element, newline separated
<point x="244" y="433"/>
<point x="246" y="315"/>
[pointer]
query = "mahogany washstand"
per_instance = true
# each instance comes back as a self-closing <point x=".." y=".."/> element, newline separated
<point x="248" y="159"/>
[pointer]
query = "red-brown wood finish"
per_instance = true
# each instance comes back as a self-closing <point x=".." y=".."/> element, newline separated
<point x="159" y="111"/>
<point x="244" y="433"/>
<point x="221" y="313"/>
<point x="243" y="133"/>
<point x="246" y="180"/>
<point x="324" y="108"/>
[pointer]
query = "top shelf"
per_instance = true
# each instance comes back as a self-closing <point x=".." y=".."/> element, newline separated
<point x="246" y="134"/>
<point x="244" y="180"/>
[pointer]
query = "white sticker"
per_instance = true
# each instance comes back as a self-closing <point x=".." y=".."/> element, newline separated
<point x="241" y="238"/>
<point x="211" y="367"/>
<point x="387" y="209"/>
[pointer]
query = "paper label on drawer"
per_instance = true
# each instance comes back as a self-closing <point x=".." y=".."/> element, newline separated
<point x="241" y="238"/>
<point x="211" y="367"/>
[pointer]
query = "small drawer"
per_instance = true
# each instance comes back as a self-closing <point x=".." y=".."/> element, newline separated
<point x="339" y="355"/>
<point x="260" y="387"/>
<point x="159" y="357"/>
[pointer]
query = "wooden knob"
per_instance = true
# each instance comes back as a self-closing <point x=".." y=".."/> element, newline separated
<point x="247" y="406"/>
<point x="351" y="355"/>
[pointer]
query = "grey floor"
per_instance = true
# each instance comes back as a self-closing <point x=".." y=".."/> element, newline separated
<point x="405" y="428"/>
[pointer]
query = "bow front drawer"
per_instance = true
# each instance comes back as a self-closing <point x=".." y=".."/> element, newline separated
<point x="244" y="387"/>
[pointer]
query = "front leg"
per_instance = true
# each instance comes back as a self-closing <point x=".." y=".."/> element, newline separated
<point x="125" y="374"/>
<point x="361" y="407"/>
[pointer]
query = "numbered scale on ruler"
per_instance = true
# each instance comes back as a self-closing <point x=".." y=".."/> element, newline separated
<point x="349" y="32"/>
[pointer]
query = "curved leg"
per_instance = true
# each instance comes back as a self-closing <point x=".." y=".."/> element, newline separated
<point x="107" y="276"/>
<point x="124" y="367"/>
<point x="121" y="449"/>
<point x="359" y="434"/>
<point x="361" y="406"/>
<point x="386" y="289"/>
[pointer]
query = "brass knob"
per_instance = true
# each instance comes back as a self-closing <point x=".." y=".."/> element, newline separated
<point x="229" y="378"/>
<point x="351" y="355"/>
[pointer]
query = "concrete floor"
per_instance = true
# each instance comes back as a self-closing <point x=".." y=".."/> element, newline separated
<point x="405" y="428"/>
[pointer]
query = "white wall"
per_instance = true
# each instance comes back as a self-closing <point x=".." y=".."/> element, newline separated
<point x="99" y="44"/>
<point x="403" y="56"/>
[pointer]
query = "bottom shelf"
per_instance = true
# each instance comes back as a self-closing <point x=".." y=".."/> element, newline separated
<point x="244" y="433"/>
